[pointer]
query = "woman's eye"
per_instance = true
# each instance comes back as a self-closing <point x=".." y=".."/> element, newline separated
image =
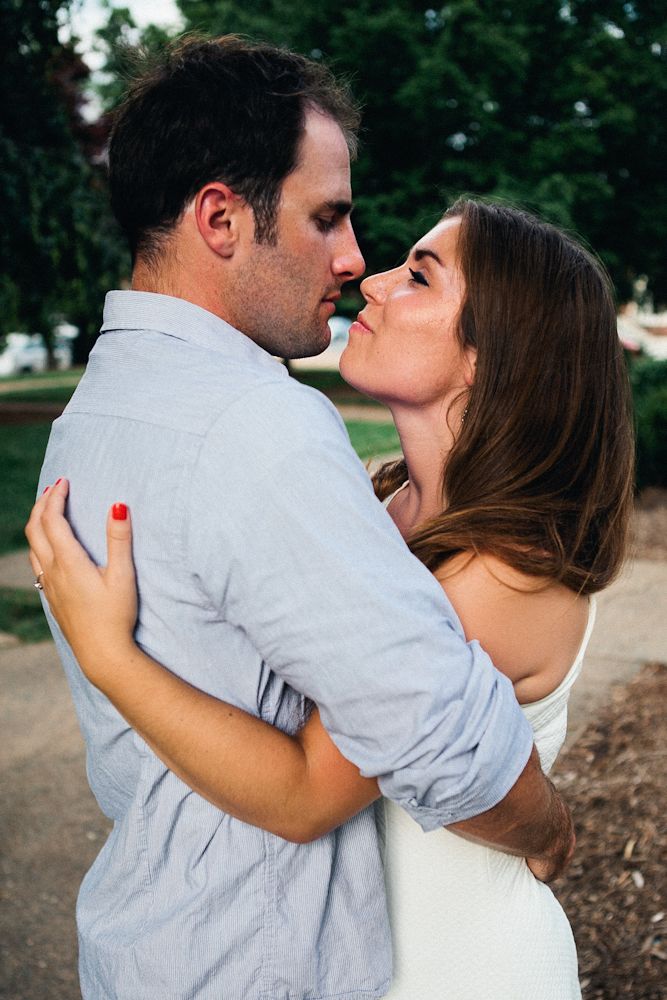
<point x="418" y="277"/>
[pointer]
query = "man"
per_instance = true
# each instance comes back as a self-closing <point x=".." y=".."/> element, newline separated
<point x="267" y="570"/>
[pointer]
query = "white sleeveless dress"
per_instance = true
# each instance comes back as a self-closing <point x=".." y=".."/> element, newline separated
<point x="472" y="923"/>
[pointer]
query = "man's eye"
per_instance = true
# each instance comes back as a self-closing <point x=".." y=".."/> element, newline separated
<point x="325" y="224"/>
<point x="418" y="277"/>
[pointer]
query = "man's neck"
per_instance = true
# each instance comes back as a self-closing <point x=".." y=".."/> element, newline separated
<point x="168" y="280"/>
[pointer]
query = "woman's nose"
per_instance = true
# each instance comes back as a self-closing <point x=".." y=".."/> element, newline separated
<point x="374" y="288"/>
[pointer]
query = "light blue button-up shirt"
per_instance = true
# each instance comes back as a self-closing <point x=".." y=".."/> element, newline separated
<point x="268" y="574"/>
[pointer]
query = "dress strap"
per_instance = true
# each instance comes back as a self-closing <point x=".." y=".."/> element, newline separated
<point x="387" y="500"/>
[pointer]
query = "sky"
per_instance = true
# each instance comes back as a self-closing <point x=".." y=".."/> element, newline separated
<point x="88" y="15"/>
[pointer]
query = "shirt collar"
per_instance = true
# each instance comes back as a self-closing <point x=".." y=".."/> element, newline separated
<point x="174" y="317"/>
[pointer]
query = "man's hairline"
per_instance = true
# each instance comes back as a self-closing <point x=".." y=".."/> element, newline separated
<point x="166" y="238"/>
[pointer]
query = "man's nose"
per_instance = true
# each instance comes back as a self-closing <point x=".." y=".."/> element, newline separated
<point x="349" y="262"/>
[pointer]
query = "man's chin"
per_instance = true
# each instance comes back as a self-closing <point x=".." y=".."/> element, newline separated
<point x="310" y="347"/>
<point x="291" y="346"/>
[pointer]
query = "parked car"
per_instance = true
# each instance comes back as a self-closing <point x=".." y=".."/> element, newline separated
<point x="62" y="352"/>
<point x="340" y="327"/>
<point x="22" y="353"/>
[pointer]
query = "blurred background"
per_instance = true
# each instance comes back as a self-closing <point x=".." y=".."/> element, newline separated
<point x="560" y="107"/>
<point x="557" y="106"/>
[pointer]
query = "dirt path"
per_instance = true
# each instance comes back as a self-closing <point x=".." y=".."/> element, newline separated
<point x="50" y="827"/>
<point x="20" y="413"/>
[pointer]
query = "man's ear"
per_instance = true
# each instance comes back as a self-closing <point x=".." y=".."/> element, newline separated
<point x="222" y="217"/>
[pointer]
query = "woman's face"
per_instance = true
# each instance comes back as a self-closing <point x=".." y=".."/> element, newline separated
<point x="404" y="347"/>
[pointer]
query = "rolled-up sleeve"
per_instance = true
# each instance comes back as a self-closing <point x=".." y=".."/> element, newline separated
<point x="288" y="542"/>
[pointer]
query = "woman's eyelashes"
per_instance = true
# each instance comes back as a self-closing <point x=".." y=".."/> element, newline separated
<point x="418" y="277"/>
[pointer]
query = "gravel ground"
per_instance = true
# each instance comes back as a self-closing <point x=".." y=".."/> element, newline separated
<point x="615" y="891"/>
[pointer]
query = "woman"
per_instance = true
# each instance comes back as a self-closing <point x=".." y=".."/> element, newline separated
<point x="495" y="347"/>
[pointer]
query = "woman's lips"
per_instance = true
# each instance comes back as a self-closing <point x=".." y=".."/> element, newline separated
<point x="361" y="324"/>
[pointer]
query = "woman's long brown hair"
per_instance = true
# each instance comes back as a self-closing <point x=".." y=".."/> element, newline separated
<point x="541" y="474"/>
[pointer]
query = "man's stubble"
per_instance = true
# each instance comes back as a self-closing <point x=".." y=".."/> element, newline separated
<point x="276" y="304"/>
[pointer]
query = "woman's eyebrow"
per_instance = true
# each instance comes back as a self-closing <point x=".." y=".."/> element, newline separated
<point x="419" y="254"/>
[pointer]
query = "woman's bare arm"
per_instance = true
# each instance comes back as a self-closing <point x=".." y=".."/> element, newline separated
<point x="298" y="787"/>
<point x="531" y="628"/>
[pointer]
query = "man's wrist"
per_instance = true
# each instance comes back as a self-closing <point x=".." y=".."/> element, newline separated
<point x="559" y="849"/>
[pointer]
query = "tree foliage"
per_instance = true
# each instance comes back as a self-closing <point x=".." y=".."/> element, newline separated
<point x="59" y="250"/>
<point x="121" y="42"/>
<point x="558" y="106"/>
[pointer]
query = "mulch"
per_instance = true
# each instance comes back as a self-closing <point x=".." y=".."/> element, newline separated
<point x="615" y="891"/>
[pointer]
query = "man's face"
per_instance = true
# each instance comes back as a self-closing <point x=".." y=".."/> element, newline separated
<point x="283" y="295"/>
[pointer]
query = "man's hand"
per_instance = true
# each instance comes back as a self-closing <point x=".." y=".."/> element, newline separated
<point x="548" y="868"/>
<point x="531" y="821"/>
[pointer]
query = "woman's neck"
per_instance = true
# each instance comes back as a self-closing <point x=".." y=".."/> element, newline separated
<point x="427" y="438"/>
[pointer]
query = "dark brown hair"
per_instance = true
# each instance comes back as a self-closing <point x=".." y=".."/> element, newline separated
<point x="223" y="109"/>
<point x="541" y="473"/>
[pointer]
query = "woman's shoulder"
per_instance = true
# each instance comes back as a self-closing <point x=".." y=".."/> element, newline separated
<point x="531" y="627"/>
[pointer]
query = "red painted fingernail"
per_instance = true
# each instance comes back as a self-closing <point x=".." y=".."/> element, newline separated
<point x="58" y="481"/>
<point x="45" y="490"/>
<point x="119" y="512"/>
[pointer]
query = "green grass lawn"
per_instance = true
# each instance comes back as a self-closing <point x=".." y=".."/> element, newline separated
<point x="21" y="615"/>
<point x="21" y="453"/>
<point x="22" y="447"/>
<point x="22" y="450"/>
<point x="332" y="384"/>
<point x="370" y="440"/>
<point x="47" y="394"/>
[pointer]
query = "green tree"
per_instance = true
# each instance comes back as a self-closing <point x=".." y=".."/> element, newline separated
<point x="58" y="246"/>
<point x="120" y="41"/>
<point x="557" y="105"/>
